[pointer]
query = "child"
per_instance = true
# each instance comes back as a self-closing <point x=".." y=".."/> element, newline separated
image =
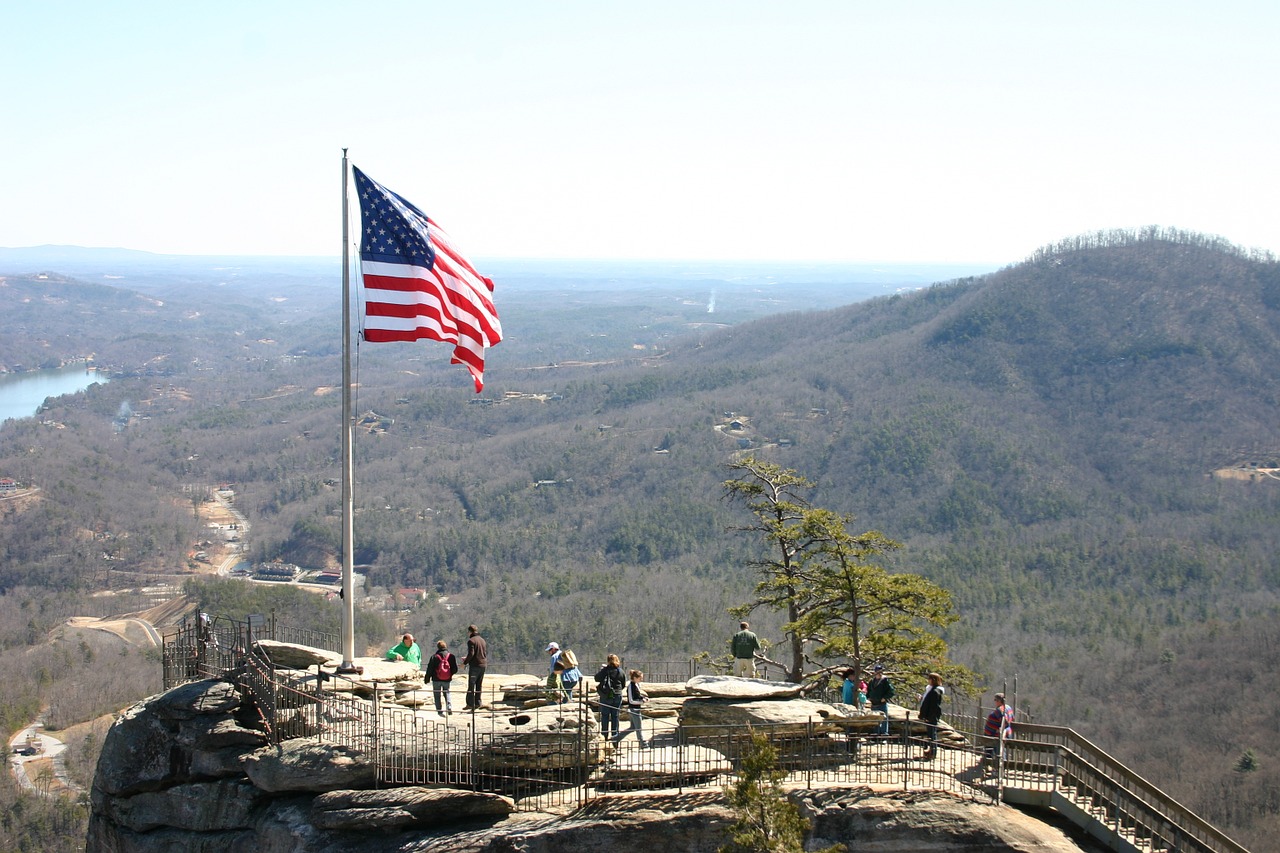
<point x="636" y="697"/>
<point x="862" y="696"/>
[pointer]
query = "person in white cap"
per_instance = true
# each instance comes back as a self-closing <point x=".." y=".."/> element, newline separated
<point x="553" y="677"/>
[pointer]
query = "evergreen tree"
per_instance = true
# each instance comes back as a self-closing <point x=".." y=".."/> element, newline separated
<point x="767" y="821"/>
<point x="837" y="598"/>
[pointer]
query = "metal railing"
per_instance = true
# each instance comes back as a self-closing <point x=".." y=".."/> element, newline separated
<point x="551" y="753"/>
<point x="1119" y="805"/>
<point x="667" y="671"/>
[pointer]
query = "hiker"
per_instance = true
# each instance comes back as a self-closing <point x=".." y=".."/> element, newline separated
<point x="744" y="645"/>
<point x="440" y="669"/>
<point x="879" y="692"/>
<point x="611" y="684"/>
<point x="406" y="650"/>
<point x="570" y="675"/>
<point x="475" y="660"/>
<point x="553" y="677"/>
<point x="931" y="713"/>
<point x="999" y="728"/>
<point x="636" y="697"/>
<point x="848" y="689"/>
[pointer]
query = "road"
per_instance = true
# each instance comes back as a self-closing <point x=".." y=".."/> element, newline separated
<point x="235" y="554"/>
<point x="52" y="750"/>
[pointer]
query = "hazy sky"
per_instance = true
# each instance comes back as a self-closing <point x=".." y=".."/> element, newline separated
<point x="860" y="131"/>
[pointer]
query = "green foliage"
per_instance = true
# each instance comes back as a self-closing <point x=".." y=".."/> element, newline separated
<point x="837" y="597"/>
<point x="767" y="822"/>
<point x="1247" y="763"/>
<point x="1040" y="440"/>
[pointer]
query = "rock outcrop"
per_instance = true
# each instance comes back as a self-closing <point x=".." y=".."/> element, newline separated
<point x="189" y="771"/>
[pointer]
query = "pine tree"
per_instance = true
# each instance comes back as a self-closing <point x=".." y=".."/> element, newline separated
<point x="767" y="821"/>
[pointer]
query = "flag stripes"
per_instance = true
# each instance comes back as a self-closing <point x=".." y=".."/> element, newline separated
<point x="417" y="286"/>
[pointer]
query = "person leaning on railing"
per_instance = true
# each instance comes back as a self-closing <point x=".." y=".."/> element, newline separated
<point x="998" y="728"/>
<point x="407" y="650"/>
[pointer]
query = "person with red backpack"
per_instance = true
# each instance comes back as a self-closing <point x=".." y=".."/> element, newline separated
<point x="440" y="669"/>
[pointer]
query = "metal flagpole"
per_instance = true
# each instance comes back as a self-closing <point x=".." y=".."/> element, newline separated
<point x="348" y="500"/>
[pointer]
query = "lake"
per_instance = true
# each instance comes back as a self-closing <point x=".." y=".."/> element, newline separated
<point x="21" y="394"/>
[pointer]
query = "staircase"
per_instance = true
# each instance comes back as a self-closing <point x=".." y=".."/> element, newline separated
<point x="1056" y="767"/>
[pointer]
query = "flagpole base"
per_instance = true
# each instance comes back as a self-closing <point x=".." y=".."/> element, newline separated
<point x="349" y="668"/>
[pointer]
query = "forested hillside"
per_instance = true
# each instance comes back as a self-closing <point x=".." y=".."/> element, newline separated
<point x="1042" y="440"/>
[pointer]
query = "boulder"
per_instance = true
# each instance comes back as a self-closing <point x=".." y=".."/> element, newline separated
<point x="298" y="656"/>
<point x="743" y="689"/>
<point x="396" y="808"/>
<point x="198" y="807"/>
<point x="196" y="698"/>
<point x="213" y="733"/>
<point x="722" y="717"/>
<point x="139" y="754"/>
<point x="666" y="689"/>
<point x="850" y="719"/>
<point x="900" y="821"/>
<point x="218" y="763"/>
<point x="307" y="765"/>
<point x="662" y="767"/>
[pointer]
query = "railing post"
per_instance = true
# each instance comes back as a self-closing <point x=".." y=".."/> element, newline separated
<point x="808" y="755"/>
<point x="583" y="713"/>
<point x="377" y="740"/>
<point x="906" y="750"/>
<point x="471" y="756"/>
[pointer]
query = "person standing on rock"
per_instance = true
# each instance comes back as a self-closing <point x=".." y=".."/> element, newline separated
<point x="611" y="684"/>
<point x="406" y="650"/>
<point x="636" y="697"/>
<point x="931" y="713"/>
<point x="848" y="688"/>
<point x="440" y="668"/>
<point x="553" y="677"/>
<point x="879" y="692"/>
<point x="999" y="727"/>
<point x="744" y="644"/>
<point x="475" y="660"/>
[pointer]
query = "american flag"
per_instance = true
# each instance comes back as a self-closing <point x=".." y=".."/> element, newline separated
<point x="417" y="285"/>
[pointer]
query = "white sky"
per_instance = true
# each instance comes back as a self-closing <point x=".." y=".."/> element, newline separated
<point x="843" y="130"/>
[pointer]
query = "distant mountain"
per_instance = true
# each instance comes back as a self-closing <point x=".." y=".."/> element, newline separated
<point x="1079" y="446"/>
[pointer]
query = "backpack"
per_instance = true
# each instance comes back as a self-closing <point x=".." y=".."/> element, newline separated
<point x="569" y="659"/>
<point x="613" y="684"/>
<point x="444" y="672"/>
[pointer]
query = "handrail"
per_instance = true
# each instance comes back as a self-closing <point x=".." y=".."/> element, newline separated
<point x="1122" y="779"/>
<point x="218" y="647"/>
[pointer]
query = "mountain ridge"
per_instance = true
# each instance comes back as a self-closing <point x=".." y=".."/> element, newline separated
<point x="1040" y="439"/>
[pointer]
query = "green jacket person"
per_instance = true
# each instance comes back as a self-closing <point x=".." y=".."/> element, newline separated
<point x="406" y="649"/>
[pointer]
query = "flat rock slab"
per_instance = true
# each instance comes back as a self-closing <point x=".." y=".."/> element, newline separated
<point x="298" y="656"/>
<point x="395" y="808"/>
<point x="732" y="687"/>
<point x="663" y="767"/>
<point x="187" y="701"/>
<point x="307" y="765"/>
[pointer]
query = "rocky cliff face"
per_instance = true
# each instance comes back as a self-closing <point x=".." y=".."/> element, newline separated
<point x="188" y="771"/>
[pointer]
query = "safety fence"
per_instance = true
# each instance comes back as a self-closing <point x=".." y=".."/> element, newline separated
<point x="554" y="754"/>
<point x="1055" y="766"/>
<point x="204" y="646"/>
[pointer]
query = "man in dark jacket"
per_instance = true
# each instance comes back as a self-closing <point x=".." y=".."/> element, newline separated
<point x="879" y="692"/>
<point x="475" y="660"/>
<point x="931" y="713"/>
<point x="440" y="668"/>
<point x="744" y="646"/>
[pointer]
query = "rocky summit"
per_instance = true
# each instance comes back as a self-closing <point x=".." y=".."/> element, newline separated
<point x="188" y="771"/>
